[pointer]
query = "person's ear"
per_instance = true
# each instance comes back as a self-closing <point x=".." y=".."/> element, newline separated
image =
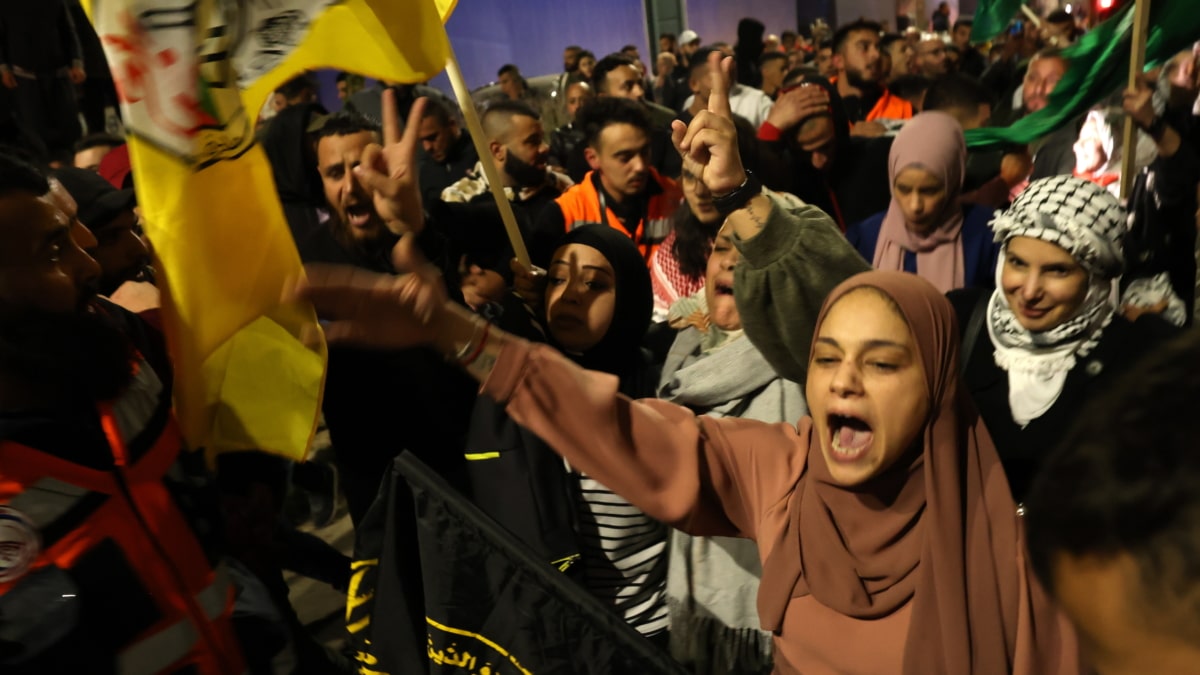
<point x="592" y="157"/>
<point x="839" y="63"/>
<point x="499" y="151"/>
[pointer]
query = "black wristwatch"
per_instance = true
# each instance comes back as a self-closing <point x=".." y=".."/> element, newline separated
<point x="728" y="203"/>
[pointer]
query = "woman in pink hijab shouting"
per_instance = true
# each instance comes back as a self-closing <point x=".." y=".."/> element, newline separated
<point x="926" y="230"/>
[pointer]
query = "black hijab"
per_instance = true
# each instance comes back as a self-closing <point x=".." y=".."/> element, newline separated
<point x="619" y="351"/>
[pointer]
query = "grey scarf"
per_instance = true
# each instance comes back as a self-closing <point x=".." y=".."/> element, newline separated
<point x="712" y="582"/>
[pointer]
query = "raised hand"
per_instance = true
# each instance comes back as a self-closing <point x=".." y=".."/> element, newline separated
<point x="390" y="171"/>
<point x="529" y="284"/>
<point x="377" y="310"/>
<point x="709" y="144"/>
<point x="1139" y="104"/>
<point x="798" y="104"/>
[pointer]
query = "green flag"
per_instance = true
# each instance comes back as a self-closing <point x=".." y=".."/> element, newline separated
<point x="1099" y="67"/>
<point x="992" y="17"/>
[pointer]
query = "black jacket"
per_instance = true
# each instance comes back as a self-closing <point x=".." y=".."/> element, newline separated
<point x="38" y="37"/>
<point x="853" y="188"/>
<point x="1022" y="451"/>
<point x="437" y="176"/>
<point x="379" y="403"/>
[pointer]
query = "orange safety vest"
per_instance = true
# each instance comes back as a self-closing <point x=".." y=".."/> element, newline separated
<point x="888" y="107"/>
<point x="583" y="204"/>
<point x="56" y="515"/>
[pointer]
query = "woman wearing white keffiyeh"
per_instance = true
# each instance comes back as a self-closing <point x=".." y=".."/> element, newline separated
<point x="1075" y="216"/>
<point x="1052" y="330"/>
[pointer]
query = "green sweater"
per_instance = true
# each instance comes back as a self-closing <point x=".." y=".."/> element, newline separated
<point x="785" y="274"/>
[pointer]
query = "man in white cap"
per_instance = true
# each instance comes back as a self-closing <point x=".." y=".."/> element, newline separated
<point x="689" y="42"/>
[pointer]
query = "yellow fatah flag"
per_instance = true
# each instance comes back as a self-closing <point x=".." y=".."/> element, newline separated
<point x="248" y="375"/>
<point x="391" y="40"/>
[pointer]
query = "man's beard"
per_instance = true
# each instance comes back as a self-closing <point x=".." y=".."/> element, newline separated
<point x="526" y="175"/>
<point x="79" y="356"/>
<point x="376" y="247"/>
<point x="857" y="80"/>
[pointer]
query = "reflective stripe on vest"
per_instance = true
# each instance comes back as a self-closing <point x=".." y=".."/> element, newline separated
<point x="139" y="402"/>
<point x="134" y="506"/>
<point x="157" y="652"/>
<point x="47" y="500"/>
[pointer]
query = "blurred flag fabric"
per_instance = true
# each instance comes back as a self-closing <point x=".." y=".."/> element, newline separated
<point x="992" y="17"/>
<point x="391" y="40"/>
<point x="1099" y="67"/>
<point x="249" y="369"/>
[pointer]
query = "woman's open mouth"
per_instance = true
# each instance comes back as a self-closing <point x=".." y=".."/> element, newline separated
<point x="851" y="437"/>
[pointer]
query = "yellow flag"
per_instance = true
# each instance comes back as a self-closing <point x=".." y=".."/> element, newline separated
<point x="245" y="379"/>
<point x="392" y="40"/>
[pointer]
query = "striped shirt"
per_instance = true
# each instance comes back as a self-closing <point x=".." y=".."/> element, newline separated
<point x="623" y="555"/>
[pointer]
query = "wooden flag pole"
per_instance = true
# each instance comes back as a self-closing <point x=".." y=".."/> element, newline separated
<point x="1137" y="63"/>
<point x="475" y="128"/>
<point x="1032" y="16"/>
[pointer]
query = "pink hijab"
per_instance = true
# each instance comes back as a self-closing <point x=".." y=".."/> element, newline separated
<point x="938" y="529"/>
<point x="932" y="141"/>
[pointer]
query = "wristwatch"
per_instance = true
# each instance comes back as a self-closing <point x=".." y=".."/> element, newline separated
<point x="728" y="203"/>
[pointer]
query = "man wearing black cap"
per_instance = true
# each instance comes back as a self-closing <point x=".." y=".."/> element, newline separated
<point x="108" y="213"/>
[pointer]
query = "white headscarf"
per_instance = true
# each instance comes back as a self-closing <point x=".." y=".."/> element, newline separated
<point x="1089" y="223"/>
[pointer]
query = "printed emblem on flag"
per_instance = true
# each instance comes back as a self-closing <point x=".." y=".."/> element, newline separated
<point x="183" y="99"/>
<point x="19" y="544"/>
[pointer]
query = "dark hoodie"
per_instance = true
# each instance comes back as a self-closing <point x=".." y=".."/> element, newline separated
<point x="852" y="189"/>
<point x="748" y="50"/>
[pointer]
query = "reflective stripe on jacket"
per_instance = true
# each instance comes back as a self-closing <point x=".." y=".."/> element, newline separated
<point x="118" y="557"/>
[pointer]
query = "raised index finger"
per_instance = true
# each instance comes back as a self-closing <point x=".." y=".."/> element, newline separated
<point x="720" y="66"/>
<point x="391" y="121"/>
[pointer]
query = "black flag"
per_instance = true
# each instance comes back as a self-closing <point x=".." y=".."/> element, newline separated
<point x="493" y="608"/>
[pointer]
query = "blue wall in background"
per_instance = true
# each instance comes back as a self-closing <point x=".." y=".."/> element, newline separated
<point x="532" y="33"/>
<point x="716" y="20"/>
<point x="487" y="34"/>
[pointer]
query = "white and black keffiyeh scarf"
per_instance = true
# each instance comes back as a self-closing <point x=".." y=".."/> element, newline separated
<point x="1089" y="223"/>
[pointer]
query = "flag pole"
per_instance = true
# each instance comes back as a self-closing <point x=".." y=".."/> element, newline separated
<point x="485" y="158"/>
<point x="1032" y="16"/>
<point x="1137" y="63"/>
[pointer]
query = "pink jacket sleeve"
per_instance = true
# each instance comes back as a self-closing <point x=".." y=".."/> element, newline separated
<point x="702" y="475"/>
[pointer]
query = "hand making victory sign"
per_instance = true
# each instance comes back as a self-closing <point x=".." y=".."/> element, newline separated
<point x="390" y="172"/>
<point x="386" y="311"/>
<point x="377" y="310"/>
